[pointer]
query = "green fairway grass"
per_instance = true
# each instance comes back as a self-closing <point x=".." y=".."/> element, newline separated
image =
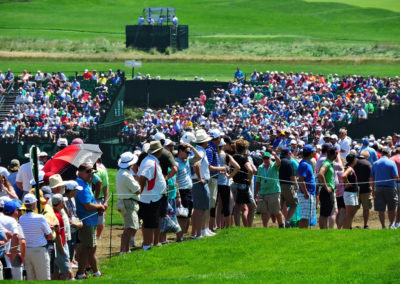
<point x="209" y="71"/>
<point x="266" y="255"/>
<point x="392" y="5"/>
<point x="229" y="28"/>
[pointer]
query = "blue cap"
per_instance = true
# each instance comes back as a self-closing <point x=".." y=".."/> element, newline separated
<point x="285" y="151"/>
<point x="308" y="149"/>
<point x="10" y="207"/>
<point x="365" y="141"/>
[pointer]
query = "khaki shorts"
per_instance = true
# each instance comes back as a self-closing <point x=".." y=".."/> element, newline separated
<point x="213" y="187"/>
<point x="128" y="209"/>
<point x="365" y="200"/>
<point x="269" y="203"/>
<point x="289" y="196"/>
<point x="87" y="236"/>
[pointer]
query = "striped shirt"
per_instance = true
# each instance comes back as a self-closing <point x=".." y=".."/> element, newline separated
<point x="35" y="228"/>
<point x="183" y="175"/>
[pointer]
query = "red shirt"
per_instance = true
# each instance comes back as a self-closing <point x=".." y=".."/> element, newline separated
<point x="61" y="231"/>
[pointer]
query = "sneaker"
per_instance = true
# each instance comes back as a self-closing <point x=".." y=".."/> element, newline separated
<point x="195" y="237"/>
<point x="205" y="233"/>
<point x="281" y="226"/>
<point x="287" y="224"/>
<point x="158" y="245"/>
<point x="392" y="226"/>
<point x="97" y="274"/>
<point x="147" y="247"/>
<point x="210" y="232"/>
<point x="397" y="225"/>
<point x="367" y="227"/>
<point x="80" y="276"/>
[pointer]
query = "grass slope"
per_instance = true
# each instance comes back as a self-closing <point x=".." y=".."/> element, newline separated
<point x="258" y="27"/>
<point x="273" y="255"/>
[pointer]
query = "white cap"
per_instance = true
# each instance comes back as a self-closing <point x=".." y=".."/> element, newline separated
<point x="188" y="137"/>
<point x="62" y="142"/>
<point x="29" y="199"/>
<point x="145" y="147"/>
<point x="72" y="185"/>
<point x="169" y="142"/>
<point x="215" y="133"/>
<point x="41" y="177"/>
<point x="43" y="154"/>
<point x="3" y="200"/>
<point x="159" y="136"/>
<point x="293" y="142"/>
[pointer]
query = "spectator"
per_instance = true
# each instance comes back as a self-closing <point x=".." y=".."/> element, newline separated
<point x="128" y="190"/>
<point x="351" y="190"/>
<point x="36" y="231"/>
<point x="86" y="208"/>
<point x="383" y="178"/>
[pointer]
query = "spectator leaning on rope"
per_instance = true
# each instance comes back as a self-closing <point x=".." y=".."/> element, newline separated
<point x="86" y="208"/>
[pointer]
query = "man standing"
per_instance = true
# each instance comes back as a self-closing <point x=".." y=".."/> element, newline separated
<point x="344" y="142"/>
<point x="215" y="169"/>
<point x="128" y="190"/>
<point x="327" y="196"/>
<point x="153" y="187"/>
<point x="37" y="231"/>
<point x="396" y="159"/>
<point x="288" y="183"/>
<point x="268" y="189"/>
<point x="363" y="173"/>
<point x="200" y="190"/>
<point x="383" y="178"/>
<point x="373" y="157"/>
<point x="307" y="187"/>
<point x="101" y="195"/>
<point x="86" y="208"/>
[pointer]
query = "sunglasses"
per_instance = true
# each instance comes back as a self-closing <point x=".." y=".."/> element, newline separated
<point x="265" y="158"/>
<point x="89" y="171"/>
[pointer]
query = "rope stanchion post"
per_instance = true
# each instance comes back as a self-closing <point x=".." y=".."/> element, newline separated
<point x="111" y="226"/>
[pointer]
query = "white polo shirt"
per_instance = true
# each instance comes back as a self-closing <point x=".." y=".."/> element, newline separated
<point x="25" y="176"/>
<point x="204" y="165"/>
<point x="35" y="227"/>
<point x="151" y="170"/>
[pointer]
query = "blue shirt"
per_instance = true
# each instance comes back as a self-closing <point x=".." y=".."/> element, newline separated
<point x="306" y="170"/>
<point x="384" y="169"/>
<point x="212" y="157"/>
<point x="183" y="175"/>
<point x="373" y="157"/>
<point x="83" y="197"/>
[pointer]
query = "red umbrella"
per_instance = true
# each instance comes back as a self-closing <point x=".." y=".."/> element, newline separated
<point x="68" y="159"/>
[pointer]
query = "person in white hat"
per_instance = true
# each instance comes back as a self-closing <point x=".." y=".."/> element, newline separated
<point x="128" y="190"/>
<point x="37" y="231"/>
<point x="57" y="184"/>
<point x="153" y="187"/>
<point x="61" y="143"/>
<point x="24" y="176"/>
<point x="200" y="190"/>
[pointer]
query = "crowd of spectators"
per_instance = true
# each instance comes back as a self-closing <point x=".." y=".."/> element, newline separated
<point x="297" y="104"/>
<point x="49" y="106"/>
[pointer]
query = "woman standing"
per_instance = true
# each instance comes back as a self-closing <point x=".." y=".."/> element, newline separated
<point x="6" y="189"/>
<point x="350" y="190"/>
<point x="339" y="198"/>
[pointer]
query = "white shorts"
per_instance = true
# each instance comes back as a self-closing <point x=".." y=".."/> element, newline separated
<point x="307" y="206"/>
<point x="350" y="198"/>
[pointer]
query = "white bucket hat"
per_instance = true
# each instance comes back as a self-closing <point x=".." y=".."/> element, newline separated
<point x="202" y="136"/>
<point x="126" y="160"/>
<point x="56" y="180"/>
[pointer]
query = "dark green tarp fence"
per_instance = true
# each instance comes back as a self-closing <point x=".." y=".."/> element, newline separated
<point x="158" y="93"/>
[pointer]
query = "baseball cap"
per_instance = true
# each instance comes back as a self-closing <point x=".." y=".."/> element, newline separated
<point x="159" y="136"/>
<point x="365" y="141"/>
<point x="56" y="199"/>
<point x="169" y="142"/>
<point x="285" y="151"/>
<point x="46" y="191"/>
<point x="62" y="142"/>
<point x="266" y="154"/>
<point x="10" y="207"/>
<point x="215" y="133"/>
<point x="29" y="199"/>
<point x="72" y="185"/>
<point x="308" y="149"/>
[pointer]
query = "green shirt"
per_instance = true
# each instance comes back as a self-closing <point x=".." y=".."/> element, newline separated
<point x="270" y="184"/>
<point x="102" y="173"/>
<point x="329" y="173"/>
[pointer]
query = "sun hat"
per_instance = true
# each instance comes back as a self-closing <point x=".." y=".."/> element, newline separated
<point x="72" y="185"/>
<point x="188" y="137"/>
<point x="56" y="199"/>
<point x="56" y="180"/>
<point x="29" y="199"/>
<point x="155" y="146"/>
<point x="202" y="136"/>
<point x="126" y="160"/>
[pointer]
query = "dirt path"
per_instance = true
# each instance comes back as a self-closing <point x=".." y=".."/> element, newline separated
<point x="104" y="242"/>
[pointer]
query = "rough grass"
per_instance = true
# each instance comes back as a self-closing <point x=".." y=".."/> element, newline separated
<point x="260" y="255"/>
